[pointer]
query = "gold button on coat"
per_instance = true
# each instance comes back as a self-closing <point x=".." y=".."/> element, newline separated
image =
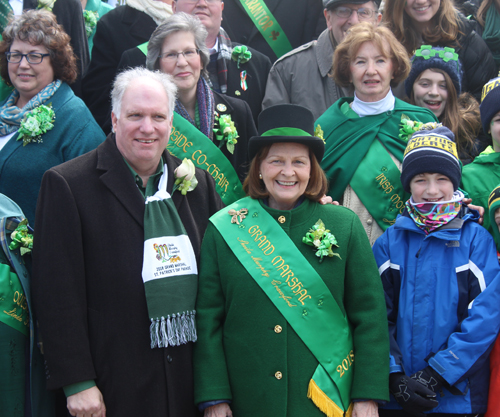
<point x="281" y="219"/>
<point x="278" y="375"/>
<point x="278" y="328"/>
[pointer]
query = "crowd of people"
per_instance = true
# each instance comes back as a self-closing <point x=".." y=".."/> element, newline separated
<point x="250" y="208"/>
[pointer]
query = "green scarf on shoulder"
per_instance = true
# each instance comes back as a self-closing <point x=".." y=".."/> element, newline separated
<point x="348" y="140"/>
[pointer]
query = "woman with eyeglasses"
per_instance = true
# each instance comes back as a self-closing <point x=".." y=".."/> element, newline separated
<point x="177" y="47"/>
<point x="42" y="123"/>
<point x="438" y="22"/>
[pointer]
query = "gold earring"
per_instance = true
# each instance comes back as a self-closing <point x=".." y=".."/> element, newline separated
<point x="260" y="176"/>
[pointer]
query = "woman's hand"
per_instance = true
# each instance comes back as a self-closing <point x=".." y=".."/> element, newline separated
<point x="87" y="403"/>
<point x="468" y="201"/>
<point x="365" y="409"/>
<point x="219" y="410"/>
<point x="326" y="199"/>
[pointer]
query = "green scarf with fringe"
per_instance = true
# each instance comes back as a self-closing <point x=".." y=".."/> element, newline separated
<point x="169" y="271"/>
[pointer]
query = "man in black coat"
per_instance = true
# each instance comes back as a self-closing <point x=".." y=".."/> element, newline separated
<point x="301" y="21"/>
<point x="88" y="288"/>
<point x="69" y="14"/>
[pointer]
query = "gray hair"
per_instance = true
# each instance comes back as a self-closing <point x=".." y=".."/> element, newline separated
<point x="178" y="22"/>
<point x="123" y="80"/>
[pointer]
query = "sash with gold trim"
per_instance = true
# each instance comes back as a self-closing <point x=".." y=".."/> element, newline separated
<point x="260" y="244"/>
<point x="268" y="26"/>
<point x="378" y="185"/>
<point x="188" y="142"/>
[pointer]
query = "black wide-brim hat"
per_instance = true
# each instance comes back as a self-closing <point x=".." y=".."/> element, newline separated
<point x="286" y="123"/>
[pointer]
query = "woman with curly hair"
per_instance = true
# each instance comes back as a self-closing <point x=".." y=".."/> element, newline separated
<point x="42" y="122"/>
<point x="437" y="22"/>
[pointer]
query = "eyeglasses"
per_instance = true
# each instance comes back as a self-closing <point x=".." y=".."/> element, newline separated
<point x="364" y="13"/>
<point x="189" y="54"/>
<point x="32" y="57"/>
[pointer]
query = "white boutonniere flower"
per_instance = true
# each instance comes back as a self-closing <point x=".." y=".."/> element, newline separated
<point x="185" y="178"/>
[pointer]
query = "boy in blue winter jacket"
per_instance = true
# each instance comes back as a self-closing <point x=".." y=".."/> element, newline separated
<point x="441" y="279"/>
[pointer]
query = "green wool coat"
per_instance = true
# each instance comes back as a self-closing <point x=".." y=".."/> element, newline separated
<point x="75" y="132"/>
<point x="243" y="340"/>
<point x="479" y="178"/>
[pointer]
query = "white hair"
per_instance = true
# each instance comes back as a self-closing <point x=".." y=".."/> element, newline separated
<point x="123" y="80"/>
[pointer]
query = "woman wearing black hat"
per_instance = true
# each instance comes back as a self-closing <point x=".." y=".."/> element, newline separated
<point x="290" y="313"/>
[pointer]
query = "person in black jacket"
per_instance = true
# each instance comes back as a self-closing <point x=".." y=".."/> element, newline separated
<point x="301" y="23"/>
<point x="440" y="24"/>
<point x="69" y="14"/>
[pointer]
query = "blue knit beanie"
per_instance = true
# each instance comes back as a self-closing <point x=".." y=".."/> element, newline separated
<point x="490" y="102"/>
<point x="445" y="59"/>
<point x="431" y="151"/>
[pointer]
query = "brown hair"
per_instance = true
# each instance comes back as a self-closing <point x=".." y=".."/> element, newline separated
<point x="483" y="9"/>
<point x="444" y="30"/>
<point x="255" y="188"/>
<point x="39" y="27"/>
<point x="461" y="115"/>
<point x="383" y="39"/>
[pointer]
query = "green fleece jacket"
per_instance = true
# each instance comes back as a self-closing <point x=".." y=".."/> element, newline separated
<point x="479" y="178"/>
<point x="246" y="351"/>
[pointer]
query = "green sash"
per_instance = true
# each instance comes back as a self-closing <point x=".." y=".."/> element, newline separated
<point x="263" y="19"/>
<point x="348" y="139"/>
<point x="143" y="47"/>
<point x="207" y="156"/>
<point x="13" y="304"/>
<point x="377" y="184"/>
<point x="276" y="264"/>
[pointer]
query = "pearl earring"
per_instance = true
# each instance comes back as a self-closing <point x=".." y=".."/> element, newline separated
<point x="260" y="176"/>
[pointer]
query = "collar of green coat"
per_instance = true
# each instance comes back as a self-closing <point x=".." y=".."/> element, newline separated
<point x="299" y="215"/>
<point x="488" y="156"/>
<point x="92" y="5"/>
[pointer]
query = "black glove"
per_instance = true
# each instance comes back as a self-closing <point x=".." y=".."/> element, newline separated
<point x="414" y="397"/>
<point x="429" y="378"/>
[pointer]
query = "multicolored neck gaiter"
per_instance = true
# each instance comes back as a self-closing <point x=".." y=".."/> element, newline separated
<point x="431" y="216"/>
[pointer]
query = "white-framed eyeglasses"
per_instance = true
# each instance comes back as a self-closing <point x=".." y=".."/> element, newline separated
<point x="188" y="54"/>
